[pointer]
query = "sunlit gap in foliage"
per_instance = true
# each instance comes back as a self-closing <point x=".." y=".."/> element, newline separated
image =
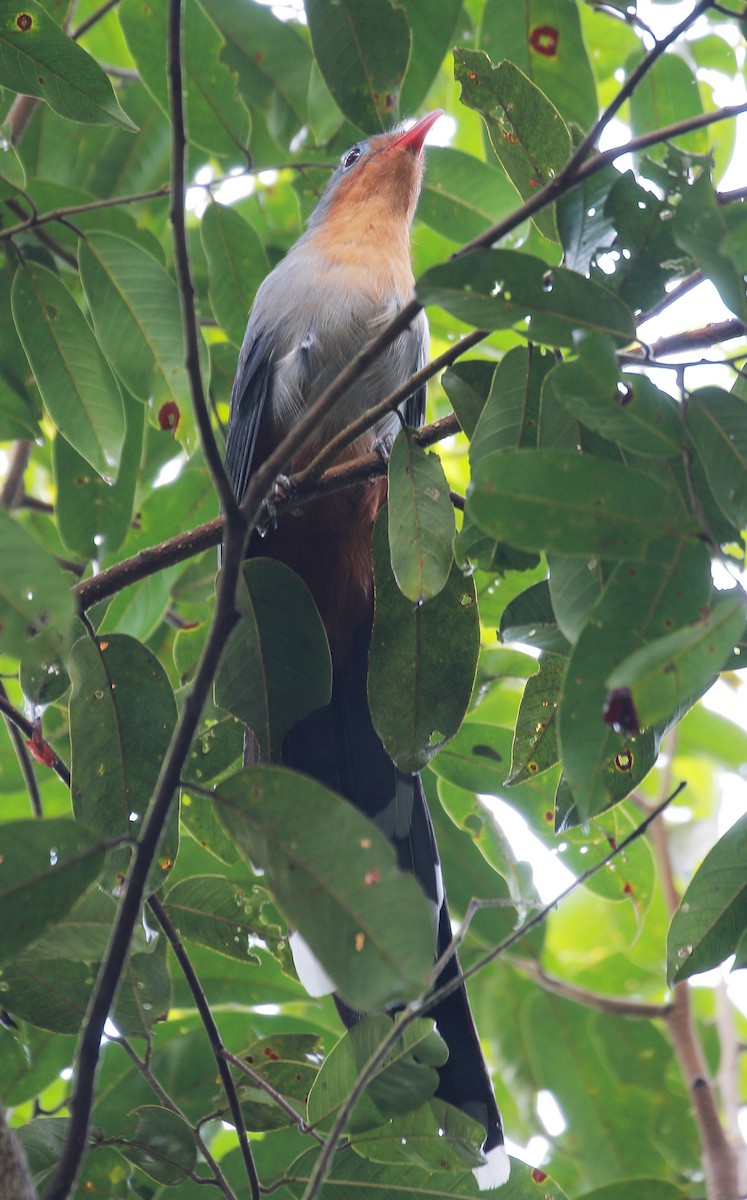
<point x="170" y="471"/>
<point x="550" y="876"/>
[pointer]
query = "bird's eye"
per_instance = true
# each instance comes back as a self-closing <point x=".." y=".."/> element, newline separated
<point x="351" y="157"/>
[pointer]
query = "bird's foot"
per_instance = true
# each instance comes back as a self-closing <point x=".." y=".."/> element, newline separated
<point x="281" y="490"/>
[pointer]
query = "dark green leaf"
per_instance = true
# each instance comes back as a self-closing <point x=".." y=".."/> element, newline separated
<point x="276" y="665"/>
<point x="38" y="59"/>
<point x="664" y="674"/>
<point x="575" y="587"/>
<point x="584" y="227"/>
<point x="717" y="423"/>
<point x="77" y="386"/>
<point x="335" y="881"/>
<point x="421" y="526"/>
<point x="144" y="998"/>
<point x="501" y="289"/>
<point x="362" y="48"/>
<point x="576" y="504"/>
<point x="712" y="917"/>
<point x="666" y="94"/>
<point x="45" y="867"/>
<point x="422" y="664"/>
<point x="405" y="1080"/>
<point x="34" y="593"/>
<point x="526" y="130"/>
<point x="50" y="993"/>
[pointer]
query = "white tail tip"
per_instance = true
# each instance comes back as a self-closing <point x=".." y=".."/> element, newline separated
<point x="310" y="971"/>
<point x="494" y="1171"/>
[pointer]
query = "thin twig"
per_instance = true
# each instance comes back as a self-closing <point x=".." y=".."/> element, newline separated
<point x="214" y="1037"/>
<point x="94" y="18"/>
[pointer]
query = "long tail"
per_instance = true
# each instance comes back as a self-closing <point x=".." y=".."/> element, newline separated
<point x="339" y="747"/>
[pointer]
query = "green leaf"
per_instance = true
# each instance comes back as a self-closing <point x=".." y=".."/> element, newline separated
<point x="666" y="94"/>
<point x="406" y="1079"/>
<point x="584" y="227"/>
<point x="43" y="672"/>
<point x="700" y="226"/>
<point x="34" y="593"/>
<point x="717" y="424"/>
<point x="664" y="674"/>
<point x="122" y="713"/>
<point x="214" y="912"/>
<point x="421" y="527"/>
<point x="576" y="504"/>
<point x="628" y="409"/>
<point x="93" y="516"/>
<point x="50" y="993"/>
<point x="286" y="1062"/>
<point x="83" y="933"/>
<point x="278" y="73"/>
<point x="163" y="1145"/>
<point x="431" y="42"/>
<point x="503" y="289"/>
<point x="436" y="1137"/>
<point x="543" y="39"/>
<point x="535" y="747"/>
<point x="135" y="308"/>
<point x="478" y="759"/>
<point x="38" y="59"/>
<point x="335" y="881"/>
<point x="712" y="917"/>
<point x="362" y="49"/>
<point x="144" y="998"/>
<point x="276" y="666"/>
<point x="642" y="1189"/>
<point x="216" y="120"/>
<point x="422" y="662"/>
<point x="46" y="866"/>
<point x="639" y="604"/>
<point x="237" y="264"/>
<point x="461" y="196"/>
<point x="575" y="587"/>
<point x="510" y="417"/>
<point x="526" y="130"/>
<point x="353" y="1176"/>
<point x="77" y="386"/>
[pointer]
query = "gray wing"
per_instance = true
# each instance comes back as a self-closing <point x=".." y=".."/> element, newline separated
<point x="252" y="389"/>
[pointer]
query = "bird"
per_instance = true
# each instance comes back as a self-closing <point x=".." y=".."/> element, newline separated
<point x="339" y="285"/>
